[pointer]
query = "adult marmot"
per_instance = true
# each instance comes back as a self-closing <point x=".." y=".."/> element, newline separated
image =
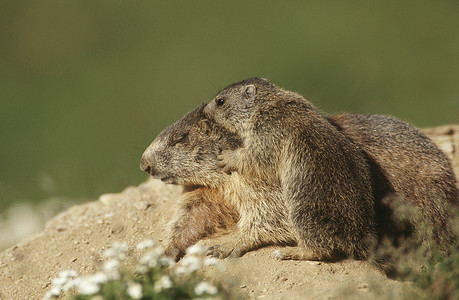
<point x="414" y="183"/>
<point x="336" y="216"/>
<point x="323" y="176"/>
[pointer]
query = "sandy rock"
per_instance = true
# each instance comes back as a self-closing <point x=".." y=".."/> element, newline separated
<point x="447" y="138"/>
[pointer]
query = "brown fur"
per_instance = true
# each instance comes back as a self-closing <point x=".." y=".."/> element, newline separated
<point x="410" y="172"/>
<point x="181" y="152"/>
<point x="203" y="212"/>
<point x="185" y="153"/>
<point x="326" y="191"/>
<point x="385" y="141"/>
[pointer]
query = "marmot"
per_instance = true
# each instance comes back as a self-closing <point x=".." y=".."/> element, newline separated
<point x="324" y="178"/>
<point x="185" y="153"/>
<point x="407" y="169"/>
<point x="337" y="219"/>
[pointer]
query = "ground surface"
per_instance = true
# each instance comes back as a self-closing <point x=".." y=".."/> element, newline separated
<point x="75" y="240"/>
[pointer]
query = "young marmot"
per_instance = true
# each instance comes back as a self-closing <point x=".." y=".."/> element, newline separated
<point x="185" y="153"/>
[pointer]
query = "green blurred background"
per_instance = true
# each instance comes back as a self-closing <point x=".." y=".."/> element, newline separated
<point x="85" y="86"/>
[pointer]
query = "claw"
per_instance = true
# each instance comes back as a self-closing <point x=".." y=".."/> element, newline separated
<point x="224" y="161"/>
<point x="235" y="254"/>
<point x="218" y="252"/>
<point x="212" y="251"/>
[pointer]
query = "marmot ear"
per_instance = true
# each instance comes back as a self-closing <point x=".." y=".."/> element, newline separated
<point x="250" y="91"/>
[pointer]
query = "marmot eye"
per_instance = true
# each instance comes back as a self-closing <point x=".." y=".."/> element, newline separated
<point x="181" y="139"/>
<point x="220" y="101"/>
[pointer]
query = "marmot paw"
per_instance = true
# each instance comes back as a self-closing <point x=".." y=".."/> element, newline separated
<point x="295" y="253"/>
<point x="224" y="251"/>
<point x="174" y="253"/>
<point x="225" y="161"/>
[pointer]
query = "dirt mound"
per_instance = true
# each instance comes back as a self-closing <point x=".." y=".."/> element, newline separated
<point x="76" y="239"/>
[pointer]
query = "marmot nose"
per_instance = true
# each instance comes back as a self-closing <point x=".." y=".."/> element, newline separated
<point x="146" y="166"/>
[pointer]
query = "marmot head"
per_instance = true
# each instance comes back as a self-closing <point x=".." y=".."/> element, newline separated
<point x="250" y="104"/>
<point x="186" y="152"/>
<point x="236" y="104"/>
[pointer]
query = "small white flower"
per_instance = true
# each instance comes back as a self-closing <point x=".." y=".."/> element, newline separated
<point x="162" y="284"/>
<point x="109" y="252"/>
<point x="54" y="292"/>
<point x="64" y="277"/>
<point x="86" y="286"/>
<point x="99" y="278"/>
<point x="166" y="261"/>
<point x="110" y="269"/>
<point x="152" y="258"/>
<point x="180" y="270"/>
<point x="111" y="265"/>
<point x="70" y="284"/>
<point x="89" y="285"/>
<point x="59" y="281"/>
<point x="212" y="261"/>
<point x="149" y="259"/>
<point x="68" y="274"/>
<point x="63" y="283"/>
<point x="141" y="269"/>
<point x="205" y="288"/>
<point x="48" y="296"/>
<point x="117" y="250"/>
<point x="145" y="245"/>
<point x="191" y="263"/>
<point x="196" y="249"/>
<point x="158" y="251"/>
<point x="134" y="290"/>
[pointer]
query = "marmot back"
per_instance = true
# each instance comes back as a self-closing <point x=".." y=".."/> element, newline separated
<point x="407" y="167"/>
